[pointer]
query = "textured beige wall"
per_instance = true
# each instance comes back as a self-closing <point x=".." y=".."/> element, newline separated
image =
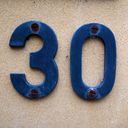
<point x="63" y="109"/>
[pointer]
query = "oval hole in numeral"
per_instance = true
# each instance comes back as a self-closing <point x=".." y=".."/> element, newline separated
<point x="93" y="61"/>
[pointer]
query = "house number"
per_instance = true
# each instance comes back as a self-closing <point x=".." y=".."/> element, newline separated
<point x="44" y="60"/>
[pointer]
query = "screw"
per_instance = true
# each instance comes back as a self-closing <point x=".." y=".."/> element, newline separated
<point x="34" y="93"/>
<point x="35" y="27"/>
<point x="92" y="93"/>
<point x="94" y="29"/>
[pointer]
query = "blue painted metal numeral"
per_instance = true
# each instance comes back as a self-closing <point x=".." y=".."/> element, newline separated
<point x="80" y="36"/>
<point x="42" y="60"/>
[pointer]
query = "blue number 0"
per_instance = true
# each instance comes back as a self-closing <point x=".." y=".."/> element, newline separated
<point x="42" y="60"/>
<point x="80" y="36"/>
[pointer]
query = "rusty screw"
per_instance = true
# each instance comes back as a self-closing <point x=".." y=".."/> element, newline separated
<point x="35" y="27"/>
<point x="94" y="29"/>
<point x="34" y="93"/>
<point x="92" y="93"/>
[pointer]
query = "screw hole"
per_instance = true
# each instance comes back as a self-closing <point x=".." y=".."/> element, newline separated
<point x="94" y="29"/>
<point x="34" y="92"/>
<point x="92" y="93"/>
<point x="35" y="27"/>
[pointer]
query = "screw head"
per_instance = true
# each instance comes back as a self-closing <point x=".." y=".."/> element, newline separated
<point x="34" y="93"/>
<point x="94" y="29"/>
<point x="35" y="27"/>
<point x="92" y="93"/>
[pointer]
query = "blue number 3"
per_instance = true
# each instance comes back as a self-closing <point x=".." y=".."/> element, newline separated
<point x="102" y="89"/>
<point x="42" y="60"/>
